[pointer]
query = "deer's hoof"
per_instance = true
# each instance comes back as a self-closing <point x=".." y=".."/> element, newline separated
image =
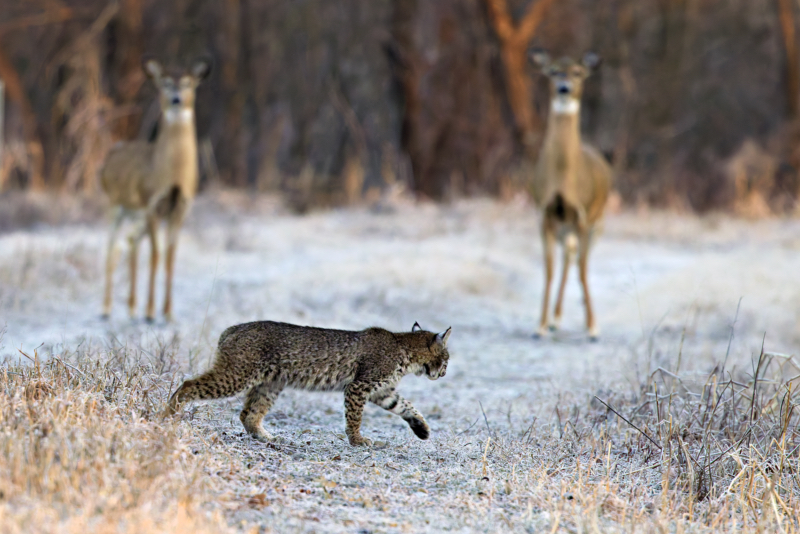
<point x="594" y="334"/>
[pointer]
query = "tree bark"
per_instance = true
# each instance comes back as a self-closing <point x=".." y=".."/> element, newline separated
<point x="514" y="42"/>
<point x="786" y="15"/>
<point x="130" y="46"/>
<point x="16" y="93"/>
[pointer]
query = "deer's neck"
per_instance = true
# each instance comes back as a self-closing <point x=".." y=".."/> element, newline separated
<point x="561" y="151"/>
<point x="562" y="141"/>
<point x="176" y="149"/>
<point x="563" y="127"/>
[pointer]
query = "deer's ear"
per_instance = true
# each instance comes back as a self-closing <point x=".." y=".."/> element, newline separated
<point x="591" y="60"/>
<point x="152" y="68"/>
<point x="442" y="338"/>
<point x="201" y="69"/>
<point x="540" y="58"/>
<point x="416" y="327"/>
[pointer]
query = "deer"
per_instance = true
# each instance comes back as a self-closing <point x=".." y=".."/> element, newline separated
<point x="155" y="182"/>
<point x="570" y="183"/>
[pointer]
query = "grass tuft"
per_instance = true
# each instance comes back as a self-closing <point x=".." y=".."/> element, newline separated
<point x="81" y="447"/>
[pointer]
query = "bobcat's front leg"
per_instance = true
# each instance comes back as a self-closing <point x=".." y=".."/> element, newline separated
<point x="391" y="401"/>
<point x="355" y="396"/>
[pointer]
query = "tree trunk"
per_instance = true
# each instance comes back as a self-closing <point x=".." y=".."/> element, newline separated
<point x="786" y="15"/>
<point x="129" y="66"/>
<point x="514" y="42"/>
<point x="16" y="93"/>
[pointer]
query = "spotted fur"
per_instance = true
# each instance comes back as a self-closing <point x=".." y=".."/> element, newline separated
<point x="264" y="357"/>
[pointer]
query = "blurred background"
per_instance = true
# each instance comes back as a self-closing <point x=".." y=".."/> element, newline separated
<point x="329" y="103"/>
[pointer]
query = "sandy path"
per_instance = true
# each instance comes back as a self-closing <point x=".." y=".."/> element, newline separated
<point x="474" y="265"/>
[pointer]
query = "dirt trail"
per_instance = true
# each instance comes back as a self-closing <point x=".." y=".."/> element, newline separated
<point x="474" y="265"/>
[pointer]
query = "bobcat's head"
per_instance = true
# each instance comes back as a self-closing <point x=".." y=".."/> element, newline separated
<point x="433" y="363"/>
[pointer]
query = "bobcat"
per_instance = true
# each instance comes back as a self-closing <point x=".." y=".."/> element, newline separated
<point x="264" y="357"/>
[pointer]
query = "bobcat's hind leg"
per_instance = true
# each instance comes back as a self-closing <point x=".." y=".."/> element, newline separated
<point x="213" y="384"/>
<point x="355" y="396"/>
<point x="259" y="400"/>
<point x="391" y="401"/>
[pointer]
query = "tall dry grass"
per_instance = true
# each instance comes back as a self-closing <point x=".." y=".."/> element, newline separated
<point x="82" y="449"/>
<point x="685" y="453"/>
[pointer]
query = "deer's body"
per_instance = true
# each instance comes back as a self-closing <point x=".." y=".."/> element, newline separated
<point x="155" y="181"/>
<point x="570" y="184"/>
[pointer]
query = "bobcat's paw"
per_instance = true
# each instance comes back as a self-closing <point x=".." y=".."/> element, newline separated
<point x="420" y="427"/>
<point x="360" y="441"/>
<point x="261" y="435"/>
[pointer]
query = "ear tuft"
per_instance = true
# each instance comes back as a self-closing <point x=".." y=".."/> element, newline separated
<point x="540" y="58"/>
<point x="152" y="68"/>
<point x="201" y="68"/>
<point x="416" y="327"/>
<point x="591" y="60"/>
<point x="442" y="338"/>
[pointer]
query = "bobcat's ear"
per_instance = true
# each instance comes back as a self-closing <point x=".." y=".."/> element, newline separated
<point x="442" y="338"/>
<point x="416" y="327"/>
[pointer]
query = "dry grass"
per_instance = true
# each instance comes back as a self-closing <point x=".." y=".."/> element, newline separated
<point x="83" y="449"/>
<point x="719" y="451"/>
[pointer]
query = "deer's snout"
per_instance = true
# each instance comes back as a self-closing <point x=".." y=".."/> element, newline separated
<point x="563" y="89"/>
<point x="176" y="100"/>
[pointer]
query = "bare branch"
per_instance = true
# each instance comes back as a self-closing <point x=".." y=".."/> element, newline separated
<point x="503" y="25"/>
<point x="533" y="18"/>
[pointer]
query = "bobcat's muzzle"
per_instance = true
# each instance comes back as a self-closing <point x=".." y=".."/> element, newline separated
<point x="434" y="374"/>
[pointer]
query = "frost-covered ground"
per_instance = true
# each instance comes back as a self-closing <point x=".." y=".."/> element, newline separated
<point x="473" y="265"/>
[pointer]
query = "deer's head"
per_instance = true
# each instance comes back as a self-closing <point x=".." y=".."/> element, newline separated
<point x="566" y="77"/>
<point x="176" y="90"/>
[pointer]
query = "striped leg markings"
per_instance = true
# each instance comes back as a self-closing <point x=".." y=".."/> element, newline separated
<point x="391" y="401"/>
<point x="355" y="396"/>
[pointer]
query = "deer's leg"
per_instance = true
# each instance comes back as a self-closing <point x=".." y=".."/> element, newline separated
<point x="584" y="240"/>
<point x="152" y="232"/>
<point x="570" y="247"/>
<point x="112" y="253"/>
<point x="391" y="401"/>
<point x="549" y="243"/>
<point x="133" y="240"/>
<point x="259" y="400"/>
<point x="172" y="243"/>
<point x="173" y="231"/>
